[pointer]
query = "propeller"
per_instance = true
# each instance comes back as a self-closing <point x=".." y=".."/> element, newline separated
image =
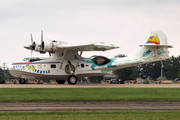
<point x="32" y="46"/>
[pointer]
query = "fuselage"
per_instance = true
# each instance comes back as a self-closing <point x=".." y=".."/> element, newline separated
<point x="51" y="69"/>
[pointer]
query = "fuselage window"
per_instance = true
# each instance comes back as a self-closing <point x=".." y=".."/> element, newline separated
<point x="39" y="66"/>
<point x="53" y="66"/>
<point x="82" y="65"/>
<point x="101" y="60"/>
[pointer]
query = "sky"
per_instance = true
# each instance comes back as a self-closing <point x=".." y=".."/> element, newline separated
<point x="125" y="23"/>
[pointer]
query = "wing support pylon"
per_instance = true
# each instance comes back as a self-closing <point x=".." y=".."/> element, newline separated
<point x="78" y="59"/>
<point x="63" y="58"/>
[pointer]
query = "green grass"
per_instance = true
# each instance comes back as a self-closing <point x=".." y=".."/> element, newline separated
<point x="135" y="115"/>
<point x="89" y="94"/>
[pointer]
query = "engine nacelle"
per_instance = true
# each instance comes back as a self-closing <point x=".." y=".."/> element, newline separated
<point x="37" y="48"/>
<point x="50" y="46"/>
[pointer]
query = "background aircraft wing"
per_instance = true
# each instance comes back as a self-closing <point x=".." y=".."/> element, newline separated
<point x="97" y="46"/>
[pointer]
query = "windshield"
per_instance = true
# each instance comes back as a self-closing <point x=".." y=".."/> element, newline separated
<point x="26" y="59"/>
<point x="31" y="59"/>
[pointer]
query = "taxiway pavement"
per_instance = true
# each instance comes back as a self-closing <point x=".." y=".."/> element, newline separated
<point x="90" y="106"/>
<point x="90" y="86"/>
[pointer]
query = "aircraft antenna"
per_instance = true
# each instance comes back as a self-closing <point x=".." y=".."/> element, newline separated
<point x="137" y="45"/>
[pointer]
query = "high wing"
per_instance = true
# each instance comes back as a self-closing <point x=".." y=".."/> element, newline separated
<point x="97" y="46"/>
<point x="53" y="46"/>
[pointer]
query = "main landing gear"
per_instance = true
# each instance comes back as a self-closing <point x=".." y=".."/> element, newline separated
<point x="70" y="70"/>
<point x="72" y="79"/>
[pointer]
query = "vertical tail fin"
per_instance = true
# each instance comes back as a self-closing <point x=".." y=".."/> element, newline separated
<point x="155" y="49"/>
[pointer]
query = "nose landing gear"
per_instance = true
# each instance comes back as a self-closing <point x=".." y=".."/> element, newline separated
<point x="22" y="81"/>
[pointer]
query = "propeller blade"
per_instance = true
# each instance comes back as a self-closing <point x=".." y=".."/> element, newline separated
<point x="41" y="36"/>
<point x="31" y="39"/>
<point x="42" y="42"/>
<point x="28" y="47"/>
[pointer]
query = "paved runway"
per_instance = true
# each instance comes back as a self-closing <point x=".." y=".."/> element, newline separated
<point x="90" y="86"/>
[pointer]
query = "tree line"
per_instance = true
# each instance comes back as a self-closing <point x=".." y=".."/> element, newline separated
<point x="5" y="75"/>
<point x="152" y="71"/>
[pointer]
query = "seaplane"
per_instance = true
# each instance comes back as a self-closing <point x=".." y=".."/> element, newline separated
<point x="65" y="61"/>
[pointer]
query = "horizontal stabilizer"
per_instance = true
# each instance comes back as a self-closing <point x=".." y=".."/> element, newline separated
<point x="168" y="46"/>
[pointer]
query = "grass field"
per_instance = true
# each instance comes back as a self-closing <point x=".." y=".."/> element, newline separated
<point x="138" y="115"/>
<point x="89" y="94"/>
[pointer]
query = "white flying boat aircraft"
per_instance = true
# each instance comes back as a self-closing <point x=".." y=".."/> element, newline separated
<point x="65" y="62"/>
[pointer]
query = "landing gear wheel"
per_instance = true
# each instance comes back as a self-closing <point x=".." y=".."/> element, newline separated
<point x="22" y="81"/>
<point x="72" y="79"/>
<point x="60" y="81"/>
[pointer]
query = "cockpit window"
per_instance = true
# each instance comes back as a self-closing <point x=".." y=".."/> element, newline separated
<point x="31" y="59"/>
<point x="26" y="59"/>
<point x="34" y="59"/>
<point x="100" y="60"/>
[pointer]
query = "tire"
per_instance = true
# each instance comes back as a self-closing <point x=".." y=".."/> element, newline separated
<point x="72" y="79"/>
<point x="60" y="81"/>
<point x="22" y="81"/>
